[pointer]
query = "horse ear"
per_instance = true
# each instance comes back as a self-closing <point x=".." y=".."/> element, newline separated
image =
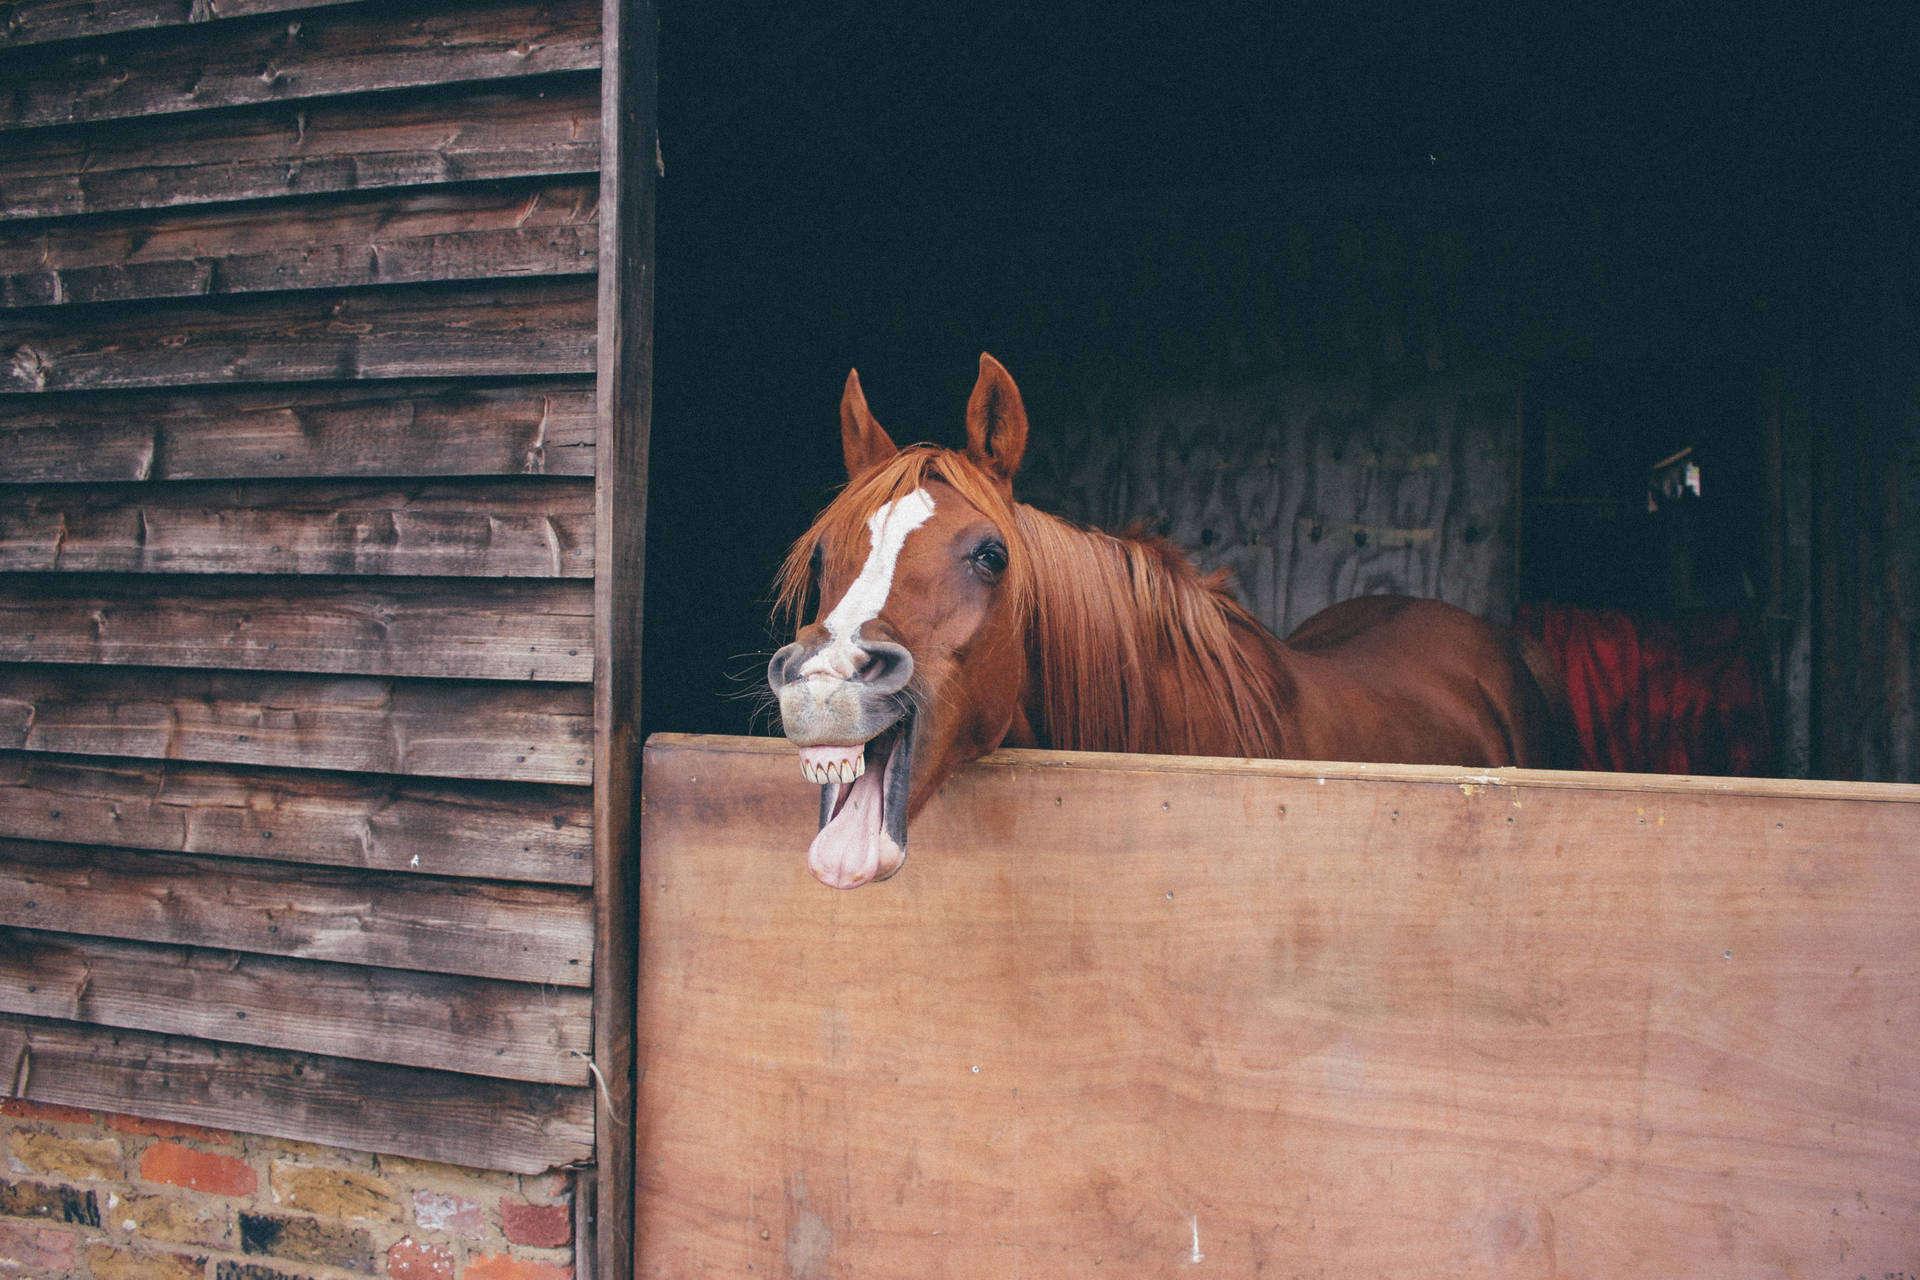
<point x="863" y="440"/>
<point x="996" y="421"/>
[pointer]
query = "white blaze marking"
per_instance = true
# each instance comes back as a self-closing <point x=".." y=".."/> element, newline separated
<point x="887" y="531"/>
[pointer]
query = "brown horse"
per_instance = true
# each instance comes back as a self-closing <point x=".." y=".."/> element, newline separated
<point x="953" y="620"/>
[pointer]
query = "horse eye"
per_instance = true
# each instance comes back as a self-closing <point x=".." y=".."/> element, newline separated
<point x="990" y="558"/>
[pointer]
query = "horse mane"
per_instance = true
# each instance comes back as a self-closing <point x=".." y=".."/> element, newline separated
<point x="1113" y="621"/>
<point x="1117" y="620"/>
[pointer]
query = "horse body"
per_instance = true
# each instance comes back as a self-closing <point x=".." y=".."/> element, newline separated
<point x="953" y="620"/>
<point x="1400" y="680"/>
<point x="1390" y="679"/>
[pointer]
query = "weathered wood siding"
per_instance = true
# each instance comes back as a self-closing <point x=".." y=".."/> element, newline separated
<point x="1309" y="493"/>
<point x="1149" y="1016"/>
<point x="1864" y="474"/>
<point x="298" y="348"/>
<point x="1309" y="401"/>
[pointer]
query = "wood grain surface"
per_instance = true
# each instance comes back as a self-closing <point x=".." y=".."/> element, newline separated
<point x="530" y="328"/>
<point x="422" y="627"/>
<point x="377" y="1015"/>
<point x="391" y="430"/>
<point x="433" y="728"/>
<point x="298" y="438"/>
<point x="1134" y="1016"/>
<point x="1309" y="491"/>
<point x="480" y="928"/>
<point x="630" y="149"/>
<point x="502" y="529"/>
<point x="198" y="67"/>
<point x="518" y="1126"/>
<point x="38" y="21"/>
<point x="543" y="126"/>
<point x="499" y="830"/>
<point x="474" y="232"/>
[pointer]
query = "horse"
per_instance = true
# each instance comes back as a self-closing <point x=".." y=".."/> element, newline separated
<point x="952" y="620"/>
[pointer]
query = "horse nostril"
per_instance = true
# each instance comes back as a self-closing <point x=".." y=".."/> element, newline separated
<point x="783" y="669"/>
<point x="887" y="667"/>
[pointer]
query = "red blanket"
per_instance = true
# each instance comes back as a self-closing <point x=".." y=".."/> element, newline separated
<point x="1657" y="695"/>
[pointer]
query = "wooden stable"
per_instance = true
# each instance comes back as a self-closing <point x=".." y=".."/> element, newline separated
<point x="1139" y="1016"/>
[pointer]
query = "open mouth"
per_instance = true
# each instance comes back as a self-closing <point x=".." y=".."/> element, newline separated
<point x="863" y="806"/>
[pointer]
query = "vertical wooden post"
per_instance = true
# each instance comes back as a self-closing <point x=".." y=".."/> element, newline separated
<point x="628" y="154"/>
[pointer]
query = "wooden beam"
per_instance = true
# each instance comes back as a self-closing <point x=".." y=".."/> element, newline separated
<point x="493" y="330"/>
<point x="544" y="126"/>
<point x="504" y="831"/>
<point x="197" y="68"/>
<point x="430" y="1115"/>
<point x="1125" y="1013"/>
<point x="39" y="21"/>
<point x="423" y="627"/>
<point x="630" y="146"/>
<point x="482" y="1027"/>
<point x="1656" y="784"/>
<point x="480" y="928"/>
<point x="389" y="431"/>
<point x="506" y="528"/>
<point x="433" y="728"/>
<point x="512" y="230"/>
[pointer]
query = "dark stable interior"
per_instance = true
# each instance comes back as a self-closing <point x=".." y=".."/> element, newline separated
<point x="1660" y="224"/>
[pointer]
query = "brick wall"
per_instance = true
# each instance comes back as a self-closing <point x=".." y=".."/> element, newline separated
<point x="96" y="1196"/>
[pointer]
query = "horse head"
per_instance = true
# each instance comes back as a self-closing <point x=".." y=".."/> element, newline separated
<point x="914" y="662"/>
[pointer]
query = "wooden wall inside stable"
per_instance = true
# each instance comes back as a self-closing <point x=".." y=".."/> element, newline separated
<point x="1309" y="492"/>
<point x="1146" y="1015"/>
<point x="1311" y="391"/>
<point x="298" y="435"/>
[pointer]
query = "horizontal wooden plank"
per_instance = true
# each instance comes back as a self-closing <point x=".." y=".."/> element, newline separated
<point x="432" y="728"/>
<point x="1321" y="771"/>
<point x="508" y="528"/>
<point x="505" y="831"/>
<point x="479" y="928"/>
<point x="502" y="330"/>
<point x="276" y="59"/>
<point x="1117" y="1016"/>
<point x="484" y="1123"/>
<point x="476" y="1025"/>
<point x="40" y="21"/>
<point x="458" y="233"/>
<point x="509" y="630"/>
<point x="544" y="126"/>
<point x="385" y="430"/>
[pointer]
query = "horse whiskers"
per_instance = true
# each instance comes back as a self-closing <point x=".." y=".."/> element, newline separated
<point x="748" y="693"/>
<point x="748" y="668"/>
<point x="751" y="687"/>
<point x="764" y="715"/>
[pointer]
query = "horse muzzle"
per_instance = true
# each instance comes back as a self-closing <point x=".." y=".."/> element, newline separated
<point x="838" y="702"/>
<point x="841" y="693"/>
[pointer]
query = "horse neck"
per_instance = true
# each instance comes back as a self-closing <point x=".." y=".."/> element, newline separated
<point x="1130" y="649"/>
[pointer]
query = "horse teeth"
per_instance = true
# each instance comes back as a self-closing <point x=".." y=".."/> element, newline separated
<point x="842" y="771"/>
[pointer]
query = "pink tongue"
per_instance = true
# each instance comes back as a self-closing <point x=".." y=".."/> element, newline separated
<point x="847" y="851"/>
